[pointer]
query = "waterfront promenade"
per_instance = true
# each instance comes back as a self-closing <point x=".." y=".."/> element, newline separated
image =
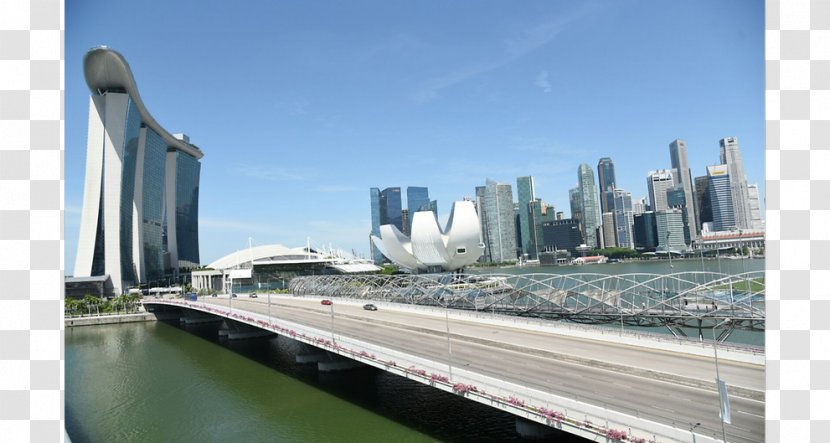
<point x="596" y="379"/>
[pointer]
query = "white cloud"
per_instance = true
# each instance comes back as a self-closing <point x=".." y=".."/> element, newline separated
<point x="542" y="81"/>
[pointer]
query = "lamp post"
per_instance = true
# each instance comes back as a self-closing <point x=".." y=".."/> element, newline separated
<point x="332" y="321"/>
<point x="717" y="379"/>
<point x="692" y="430"/>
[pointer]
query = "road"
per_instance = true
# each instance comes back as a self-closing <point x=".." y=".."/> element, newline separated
<point x="600" y="373"/>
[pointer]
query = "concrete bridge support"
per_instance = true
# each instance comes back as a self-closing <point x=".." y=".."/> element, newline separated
<point x="240" y="331"/>
<point x="533" y="430"/>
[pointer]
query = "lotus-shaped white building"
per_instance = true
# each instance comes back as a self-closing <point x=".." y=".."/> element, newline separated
<point x="430" y="247"/>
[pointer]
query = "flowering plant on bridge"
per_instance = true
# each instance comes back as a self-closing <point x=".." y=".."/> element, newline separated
<point x="515" y="401"/>
<point x="461" y="388"/>
<point x="616" y="434"/>
<point x="551" y="415"/>
<point x="438" y="377"/>
<point x="415" y="370"/>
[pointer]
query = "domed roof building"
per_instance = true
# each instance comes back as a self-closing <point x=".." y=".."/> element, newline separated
<point x="431" y="249"/>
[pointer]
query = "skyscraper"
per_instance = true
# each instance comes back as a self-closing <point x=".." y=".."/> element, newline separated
<point x="539" y="213"/>
<point x="501" y="225"/>
<point x="607" y="183"/>
<point x="609" y="234"/>
<point x="526" y="192"/>
<point x="390" y="208"/>
<point x="680" y="163"/>
<point x="756" y="221"/>
<point x="703" y="204"/>
<point x="720" y="198"/>
<point x="645" y="231"/>
<point x="417" y="199"/>
<point x="659" y="182"/>
<point x="139" y="222"/>
<point x="676" y="199"/>
<point x="623" y="218"/>
<point x="590" y="208"/>
<point x="670" y="230"/>
<point x="730" y="155"/>
<point x="575" y="201"/>
<point x="374" y="202"/>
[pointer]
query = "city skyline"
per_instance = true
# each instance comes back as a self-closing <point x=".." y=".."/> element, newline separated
<point x="511" y="94"/>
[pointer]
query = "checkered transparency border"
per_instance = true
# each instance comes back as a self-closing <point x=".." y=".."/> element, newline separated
<point x="798" y="220"/>
<point x="31" y="221"/>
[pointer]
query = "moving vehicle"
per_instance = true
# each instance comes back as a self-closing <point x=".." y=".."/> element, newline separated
<point x="253" y="295"/>
<point x="370" y="307"/>
<point x="326" y="302"/>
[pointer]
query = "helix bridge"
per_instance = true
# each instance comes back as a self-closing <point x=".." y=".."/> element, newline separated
<point x="694" y="299"/>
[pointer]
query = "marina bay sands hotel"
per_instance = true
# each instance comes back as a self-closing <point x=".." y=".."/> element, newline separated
<point x="139" y="223"/>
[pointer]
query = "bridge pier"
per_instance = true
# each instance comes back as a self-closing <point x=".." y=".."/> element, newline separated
<point x="240" y="331"/>
<point x="336" y="363"/>
<point x="533" y="430"/>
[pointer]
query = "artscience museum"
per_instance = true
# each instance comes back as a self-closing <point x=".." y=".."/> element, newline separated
<point x="431" y="249"/>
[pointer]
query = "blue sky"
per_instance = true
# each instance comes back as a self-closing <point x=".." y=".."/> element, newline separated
<point x="301" y="107"/>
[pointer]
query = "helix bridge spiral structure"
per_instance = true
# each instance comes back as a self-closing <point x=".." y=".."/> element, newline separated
<point x="698" y="300"/>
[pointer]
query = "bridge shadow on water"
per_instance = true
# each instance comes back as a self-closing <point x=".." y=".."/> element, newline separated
<point x="437" y="414"/>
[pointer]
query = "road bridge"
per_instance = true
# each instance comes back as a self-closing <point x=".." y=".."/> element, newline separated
<point x="585" y="380"/>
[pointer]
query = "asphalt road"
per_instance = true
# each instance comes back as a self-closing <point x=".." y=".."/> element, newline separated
<point x="600" y="373"/>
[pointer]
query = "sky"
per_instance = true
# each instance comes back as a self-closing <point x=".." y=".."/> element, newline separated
<point x="301" y="107"/>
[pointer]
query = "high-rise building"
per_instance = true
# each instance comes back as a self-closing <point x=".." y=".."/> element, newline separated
<point x="639" y="206"/>
<point x="590" y="206"/>
<point x="562" y="235"/>
<point x="526" y="194"/>
<point x="539" y="213"/>
<point x="139" y="222"/>
<point x="575" y="200"/>
<point x="501" y="226"/>
<point x="703" y="204"/>
<point x="757" y="222"/>
<point x="680" y="163"/>
<point x="407" y="223"/>
<point x="645" y="231"/>
<point x="730" y="155"/>
<point x="659" y="182"/>
<point x="482" y="217"/>
<point x="670" y="230"/>
<point x="417" y="198"/>
<point x="720" y="198"/>
<point x="391" y="207"/>
<point x="623" y="218"/>
<point x="607" y="183"/>
<point x="609" y="234"/>
<point x="676" y="199"/>
<point x="374" y="202"/>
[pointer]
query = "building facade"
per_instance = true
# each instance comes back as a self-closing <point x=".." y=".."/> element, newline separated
<point x="670" y="231"/>
<point x="609" y="232"/>
<point x="590" y="206"/>
<point x="562" y="235"/>
<point x="526" y="194"/>
<point x="540" y="213"/>
<point x="730" y="155"/>
<point x="607" y="183"/>
<point x="391" y="208"/>
<point x="139" y="222"/>
<point x="417" y="199"/>
<point x="374" y="206"/>
<point x="500" y="221"/>
<point x="645" y="231"/>
<point x="703" y="205"/>
<point x="680" y="163"/>
<point x="623" y="218"/>
<point x="720" y="198"/>
<point x="659" y="182"/>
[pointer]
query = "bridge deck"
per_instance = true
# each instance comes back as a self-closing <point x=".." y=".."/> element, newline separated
<point x="667" y="387"/>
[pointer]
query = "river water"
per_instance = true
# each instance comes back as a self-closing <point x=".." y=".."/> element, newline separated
<point x="158" y="382"/>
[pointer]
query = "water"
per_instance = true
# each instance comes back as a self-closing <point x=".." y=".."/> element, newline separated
<point x="153" y="382"/>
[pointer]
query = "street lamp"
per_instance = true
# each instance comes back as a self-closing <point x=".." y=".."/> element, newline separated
<point x="332" y="321"/>
<point x="692" y="430"/>
<point x="717" y="379"/>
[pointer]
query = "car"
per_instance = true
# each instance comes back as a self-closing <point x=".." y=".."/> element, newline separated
<point x="233" y="295"/>
<point x="370" y="307"/>
<point x="253" y="295"/>
<point x="326" y="302"/>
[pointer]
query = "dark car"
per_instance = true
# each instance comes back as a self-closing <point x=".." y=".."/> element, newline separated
<point x="233" y="295"/>
<point x="325" y="302"/>
<point x="370" y="307"/>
